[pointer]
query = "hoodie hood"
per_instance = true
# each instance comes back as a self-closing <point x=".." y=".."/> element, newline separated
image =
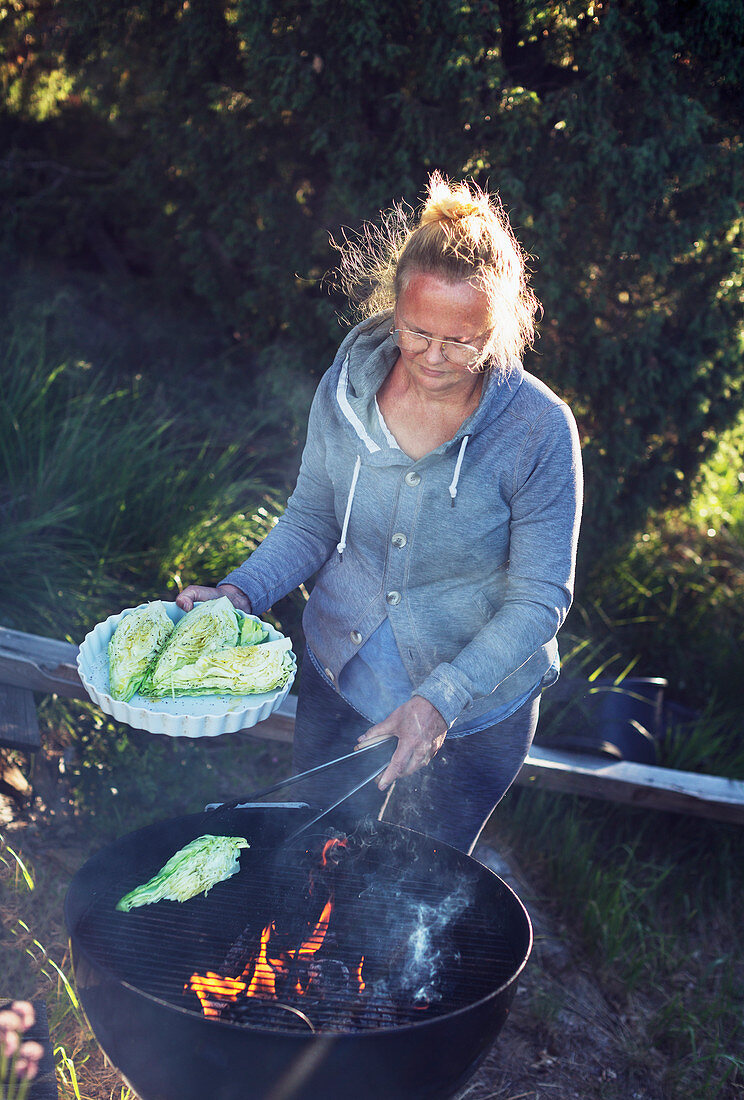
<point x="366" y="357"/>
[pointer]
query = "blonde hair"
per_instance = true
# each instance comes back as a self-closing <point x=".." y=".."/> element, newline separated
<point x="460" y="233"/>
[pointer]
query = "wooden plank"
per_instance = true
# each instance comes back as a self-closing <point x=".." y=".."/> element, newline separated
<point x="643" y="785"/>
<point x="40" y="664"/>
<point x="47" y="665"/>
<point x="19" y="725"/>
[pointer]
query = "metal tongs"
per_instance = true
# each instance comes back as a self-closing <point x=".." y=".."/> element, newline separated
<point x="282" y="784"/>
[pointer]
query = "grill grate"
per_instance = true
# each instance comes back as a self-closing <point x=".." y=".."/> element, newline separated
<point x="417" y="963"/>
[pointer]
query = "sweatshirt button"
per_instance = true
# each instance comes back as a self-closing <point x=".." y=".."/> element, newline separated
<point x="356" y="637"/>
<point x="399" y="540"/>
<point x="412" y="478"/>
<point x="393" y="597"/>
<point x="330" y="675"/>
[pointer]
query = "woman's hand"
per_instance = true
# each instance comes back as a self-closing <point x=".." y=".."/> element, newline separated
<point x="198" y="593"/>
<point x="420" y="730"/>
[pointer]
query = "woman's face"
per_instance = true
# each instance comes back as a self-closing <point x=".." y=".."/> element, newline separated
<point x="442" y="310"/>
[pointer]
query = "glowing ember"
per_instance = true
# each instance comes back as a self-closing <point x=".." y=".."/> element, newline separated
<point x="360" y="979"/>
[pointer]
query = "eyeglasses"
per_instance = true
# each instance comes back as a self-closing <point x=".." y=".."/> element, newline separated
<point x="460" y="355"/>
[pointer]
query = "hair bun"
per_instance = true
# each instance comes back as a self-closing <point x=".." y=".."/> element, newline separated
<point x="446" y="202"/>
<point x="461" y="234"/>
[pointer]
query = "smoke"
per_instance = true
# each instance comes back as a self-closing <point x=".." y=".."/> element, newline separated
<point x="426" y="944"/>
<point x="410" y="908"/>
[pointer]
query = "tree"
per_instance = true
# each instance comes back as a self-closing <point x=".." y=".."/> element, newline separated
<point x="230" y="138"/>
<point x="626" y="173"/>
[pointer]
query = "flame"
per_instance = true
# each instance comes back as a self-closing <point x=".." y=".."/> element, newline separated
<point x="211" y="988"/>
<point x="259" y="977"/>
<point x="328" y="847"/>
<point x="313" y="944"/>
<point x="263" y="982"/>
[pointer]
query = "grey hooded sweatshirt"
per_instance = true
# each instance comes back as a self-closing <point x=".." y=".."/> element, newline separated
<point x="469" y="551"/>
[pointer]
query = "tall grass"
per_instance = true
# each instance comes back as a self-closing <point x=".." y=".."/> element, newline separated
<point x="709" y="742"/>
<point x="654" y="900"/>
<point x="101" y="486"/>
<point x="30" y="969"/>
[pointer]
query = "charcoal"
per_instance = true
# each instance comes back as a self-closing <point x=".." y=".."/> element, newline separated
<point x="328" y="978"/>
<point x="240" y="954"/>
<point x="374" y="1009"/>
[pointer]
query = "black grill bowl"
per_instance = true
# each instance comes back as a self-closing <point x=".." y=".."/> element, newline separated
<point x="130" y="968"/>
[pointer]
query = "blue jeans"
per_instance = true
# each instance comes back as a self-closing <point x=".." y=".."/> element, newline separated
<point x="450" y="799"/>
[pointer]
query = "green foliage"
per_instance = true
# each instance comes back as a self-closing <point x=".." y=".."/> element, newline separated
<point x="675" y="599"/>
<point x="671" y="601"/>
<point x="717" y="504"/>
<point x="210" y="148"/>
<point x="633" y="213"/>
<point x="99" y="483"/>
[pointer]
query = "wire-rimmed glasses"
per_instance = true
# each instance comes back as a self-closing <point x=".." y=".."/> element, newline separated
<point x="414" y="343"/>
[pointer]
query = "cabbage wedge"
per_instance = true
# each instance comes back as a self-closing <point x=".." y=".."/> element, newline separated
<point x="252" y="632"/>
<point x="135" y="643"/>
<point x="236" y="670"/>
<point x="211" y="626"/>
<point x="194" y="869"/>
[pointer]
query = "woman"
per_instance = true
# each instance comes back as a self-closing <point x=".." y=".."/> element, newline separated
<point x="437" y="505"/>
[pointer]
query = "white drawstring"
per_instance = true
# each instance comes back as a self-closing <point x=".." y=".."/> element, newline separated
<point x="458" y="464"/>
<point x="342" y="544"/>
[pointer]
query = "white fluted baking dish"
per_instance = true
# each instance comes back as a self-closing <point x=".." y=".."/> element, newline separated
<point x="187" y="716"/>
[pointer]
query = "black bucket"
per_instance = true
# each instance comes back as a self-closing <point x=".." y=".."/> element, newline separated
<point x="622" y="721"/>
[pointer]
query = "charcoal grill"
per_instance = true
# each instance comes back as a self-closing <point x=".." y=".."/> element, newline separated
<point x="443" y="941"/>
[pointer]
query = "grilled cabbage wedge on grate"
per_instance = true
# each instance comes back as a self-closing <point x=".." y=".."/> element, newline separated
<point x="194" y="869"/>
<point x="135" y="643"/>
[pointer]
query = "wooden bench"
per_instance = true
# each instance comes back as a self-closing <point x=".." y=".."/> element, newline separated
<point x="33" y="663"/>
<point x="19" y="730"/>
<point x="19" y="727"/>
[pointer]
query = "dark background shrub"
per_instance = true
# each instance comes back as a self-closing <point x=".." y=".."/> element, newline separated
<point x="184" y="164"/>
